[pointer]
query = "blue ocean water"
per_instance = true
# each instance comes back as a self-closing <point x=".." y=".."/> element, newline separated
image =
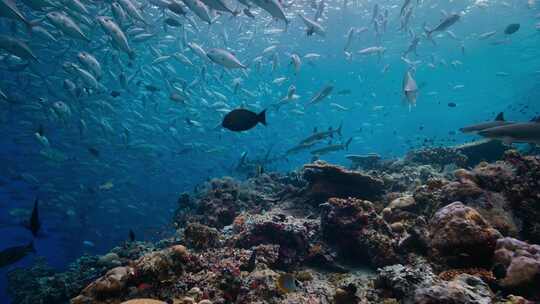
<point x="118" y="163"/>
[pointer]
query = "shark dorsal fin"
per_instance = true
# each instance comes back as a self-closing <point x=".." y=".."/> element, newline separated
<point x="499" y="117"/>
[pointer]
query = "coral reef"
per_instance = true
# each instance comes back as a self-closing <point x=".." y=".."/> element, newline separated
<point x="290" y="234"/>
<point x="441" y="157"/>
<point x="437" y="230"/>
<point x="354" y="226"/>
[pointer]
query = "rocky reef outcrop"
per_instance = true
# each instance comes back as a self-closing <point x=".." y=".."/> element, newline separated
<point x="517" y="264"/>
<point x="326" y="181"/>
<point x="429" y="228"/>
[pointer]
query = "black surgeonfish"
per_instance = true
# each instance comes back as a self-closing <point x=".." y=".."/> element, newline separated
<point x="242" y="120"/>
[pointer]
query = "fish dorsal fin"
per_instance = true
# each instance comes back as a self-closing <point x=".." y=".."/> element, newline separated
<point x="500" y="117"/>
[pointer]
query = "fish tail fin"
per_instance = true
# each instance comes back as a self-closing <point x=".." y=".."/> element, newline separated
<point x="338" y="130"/>
<point x="348" y="143"/>
<point x="262" y="117"/>
<point x="499" y="117"/>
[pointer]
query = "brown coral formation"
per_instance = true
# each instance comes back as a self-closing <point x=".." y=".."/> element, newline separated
<point x="437" y="237"/>
<point x="355" y="227"/>
<point x="200" y="236"/>
<point x="462" y="237"/>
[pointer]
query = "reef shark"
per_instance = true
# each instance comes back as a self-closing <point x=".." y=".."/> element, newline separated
<point x="523" y="132"/>
<point x="499" y="121"/>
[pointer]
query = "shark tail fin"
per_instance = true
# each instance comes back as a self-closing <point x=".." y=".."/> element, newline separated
<point x="338" y="130"/>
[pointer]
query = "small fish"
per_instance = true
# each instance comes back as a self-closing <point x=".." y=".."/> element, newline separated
<point x="487" y="35"/>
<point x="444" y="25"/>
<point x="176" y="7"/>
<point x="286" y="283"/>
<point x="322" y="94"/>
<point x="410" y="89"/>
<point x="95" y="152"/>
<point x="151" y="88"/>
<point x="452" y="105"/>
<point x="248" y="13"/>
<point x="107" y="186"/>
<point x="512" y="28"/>
<point x="115" y="94"/>
<point x="242" y="120"/>
<point x="172" y="22"/>
<point x="224" y="58"/>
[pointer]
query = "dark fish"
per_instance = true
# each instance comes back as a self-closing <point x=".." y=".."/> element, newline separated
<point x="131" y="236"/>
<point x="248" y="13"/>
<point x="95" y="152"/>
<point x="176" y="8"/>
<point x="172" y="22"/>
<point x="444" y="25"/>
<point x="243" y="120"/>
<point x="512" y="28"/>
<point x="11" y="255"/>
<point x="115" y="94"/>
<point x="151" y="88"/>
<point x="34" y="224"/>
<point x="452" y="104"/>
<point x="259" y="170"/>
